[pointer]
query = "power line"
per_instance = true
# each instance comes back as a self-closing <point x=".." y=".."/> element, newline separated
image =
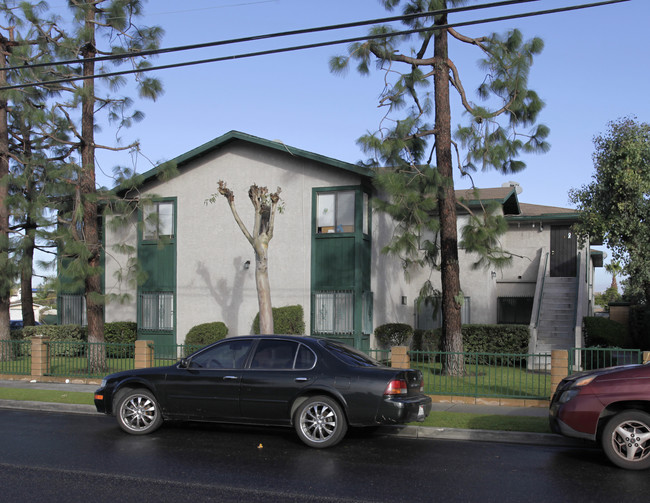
<point x="267" y="36"/>
<point x="315" y="45"/>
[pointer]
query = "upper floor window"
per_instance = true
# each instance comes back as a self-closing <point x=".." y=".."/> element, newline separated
<point x="335" y="212"/>
<point x="158" y="220"/>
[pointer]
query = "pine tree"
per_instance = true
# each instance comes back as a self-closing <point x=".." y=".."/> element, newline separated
<point x="421" y="193"/>
<point x="82" y="241"/>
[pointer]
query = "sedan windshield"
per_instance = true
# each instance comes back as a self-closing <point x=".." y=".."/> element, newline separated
<point x="350" y="355"/>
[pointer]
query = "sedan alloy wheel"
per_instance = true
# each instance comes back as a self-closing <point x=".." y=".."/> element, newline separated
<point x="320" y="422"/>
<point x="138" y="412"/>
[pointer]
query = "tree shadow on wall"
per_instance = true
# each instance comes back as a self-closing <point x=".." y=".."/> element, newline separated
<point x="228" y="298"/>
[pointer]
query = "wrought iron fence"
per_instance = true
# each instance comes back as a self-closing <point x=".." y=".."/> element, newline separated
<point x="495" y="375"/>
<point x="15" y="357"/>
<point x="381" y="355"/>
<point x="596" y="358"/>
<point x="168" y="354"/>
<point x="88" y="359"/>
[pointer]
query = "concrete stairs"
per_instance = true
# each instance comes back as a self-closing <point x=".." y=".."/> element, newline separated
<point x="557" y="315"/>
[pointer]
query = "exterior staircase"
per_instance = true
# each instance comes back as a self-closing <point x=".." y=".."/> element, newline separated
<point x="556" y="327"/>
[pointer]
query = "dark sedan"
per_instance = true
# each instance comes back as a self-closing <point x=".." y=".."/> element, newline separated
<point x="611" y="406"/>
<point x="318" y="386"/>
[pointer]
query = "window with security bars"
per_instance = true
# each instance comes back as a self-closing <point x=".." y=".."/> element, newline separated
<point x="73" y="309"/>
<point x="334" y="312"/>
<point x="429" y="316"/>
<point x="157" y="311"/>
<point x="514" y="310"/>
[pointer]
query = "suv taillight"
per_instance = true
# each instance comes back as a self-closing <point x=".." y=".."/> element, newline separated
<point x="396" y="387"/>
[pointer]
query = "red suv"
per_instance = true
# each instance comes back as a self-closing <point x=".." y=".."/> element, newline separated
<point x="610" y="406"/>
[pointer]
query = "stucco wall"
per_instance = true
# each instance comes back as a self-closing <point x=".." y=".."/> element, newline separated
<point x="212" y="283"/>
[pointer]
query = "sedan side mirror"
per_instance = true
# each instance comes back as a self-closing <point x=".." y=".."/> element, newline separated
<point x="184" y="363"/>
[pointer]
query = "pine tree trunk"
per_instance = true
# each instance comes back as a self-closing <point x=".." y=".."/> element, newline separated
<point x="94" y="305"/>
<point x="5" y="276"/>
<point x="450" y="274"/>
<point x="26" y="272"/>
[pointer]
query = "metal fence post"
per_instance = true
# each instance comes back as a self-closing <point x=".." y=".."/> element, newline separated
<point x="559" y="367"/>
<point x="144" y="352"/>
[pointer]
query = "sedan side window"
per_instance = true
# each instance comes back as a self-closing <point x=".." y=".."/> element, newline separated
<point x="227" y="355"/>
<point x="274" y="354"/>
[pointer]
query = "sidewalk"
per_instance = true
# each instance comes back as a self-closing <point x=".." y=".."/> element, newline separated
<point x="418" y="432"/>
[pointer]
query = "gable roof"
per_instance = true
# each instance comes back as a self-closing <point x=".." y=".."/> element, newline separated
<point x="505" y="196"/>
<point x="232" y="136"/>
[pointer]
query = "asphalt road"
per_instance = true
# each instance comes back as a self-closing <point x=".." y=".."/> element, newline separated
<point x="65" y="457"/>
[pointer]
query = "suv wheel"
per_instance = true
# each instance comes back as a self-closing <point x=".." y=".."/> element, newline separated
<point x="626" y="439"/>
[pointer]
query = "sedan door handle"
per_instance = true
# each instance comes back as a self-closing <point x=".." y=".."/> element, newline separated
<point x="301" y="379"/>
<point x="230" y="377"/>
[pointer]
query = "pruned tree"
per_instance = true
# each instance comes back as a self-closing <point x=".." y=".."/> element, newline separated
<point x="265" y="204"/>
<point x="615" y="205"/>
<point x="418" y="155"/>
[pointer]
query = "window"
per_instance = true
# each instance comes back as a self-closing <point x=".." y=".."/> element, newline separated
<point x="157" y="311"/>
<point x="349" y="355"/>
<point x="158" y="220"/>
<point x="227" y="355"/>
<point x="73" y="309"/>
<point x="334" y="312"/>
<point x="281" y="355"/>
<point x="335" y="212"/>
<point x="514" y="310"/>
<point x="429" y="317"/>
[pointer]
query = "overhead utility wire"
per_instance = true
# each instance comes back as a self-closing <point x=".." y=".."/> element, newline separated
<point x="313" y="46"/>
<point x="267" y="36"/>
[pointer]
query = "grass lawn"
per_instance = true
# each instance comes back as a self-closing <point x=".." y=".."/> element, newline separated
<point x="43" y="395"/>
<point x="439" y="419"/>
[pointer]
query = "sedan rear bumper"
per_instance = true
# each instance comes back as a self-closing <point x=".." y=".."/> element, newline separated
<point x="402" y="410"/>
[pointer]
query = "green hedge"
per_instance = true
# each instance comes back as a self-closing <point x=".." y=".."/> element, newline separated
<point x="604" y="332"/>
<point x="393" y="334"/>
<point x="496" y="338"/>
<point x="426" y="340"/>
<point x="287" y="320"/>
<point x="206" y="333"/>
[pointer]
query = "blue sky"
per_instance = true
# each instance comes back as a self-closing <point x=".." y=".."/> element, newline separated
<point x="594" y="69"/>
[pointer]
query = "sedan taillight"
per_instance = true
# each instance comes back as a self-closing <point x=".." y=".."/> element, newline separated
<point x="396" y="387"/>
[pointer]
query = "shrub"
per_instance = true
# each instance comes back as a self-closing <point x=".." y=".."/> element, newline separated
<point x="393" y="334"/>
<point x="426" y="340"/>
<point x="73" y="335"/>
<point x="496" y="338"/>
<point x="287" y="320"/>
<point x="121" y="332"/>
<point x="206" y="333"/>
<point x="604" y="332"/>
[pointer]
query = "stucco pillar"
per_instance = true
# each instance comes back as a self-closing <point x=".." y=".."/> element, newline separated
<point x="559" y="367"/>
<point x="399" y="357"/>
<point x="40" y="356"/>
<point x="143" y="354"/>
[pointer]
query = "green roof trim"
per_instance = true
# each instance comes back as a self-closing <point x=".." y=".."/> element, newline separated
<point x="231" y="136"/>
<point x="546" y="217"/>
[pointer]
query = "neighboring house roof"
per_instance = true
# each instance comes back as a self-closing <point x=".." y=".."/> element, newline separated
<point x="541" y="212"/>
<point x="232" y="136"/>
<point x="506" y="196"/>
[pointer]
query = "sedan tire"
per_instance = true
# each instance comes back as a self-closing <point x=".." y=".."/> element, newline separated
<point x="626" y="440"/>
<point x="320" y="422"/>
<point x="138" y="412"/>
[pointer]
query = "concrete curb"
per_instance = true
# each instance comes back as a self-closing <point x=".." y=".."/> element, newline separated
<point x="69" y="408"/>
<point x="413" y="432"/>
